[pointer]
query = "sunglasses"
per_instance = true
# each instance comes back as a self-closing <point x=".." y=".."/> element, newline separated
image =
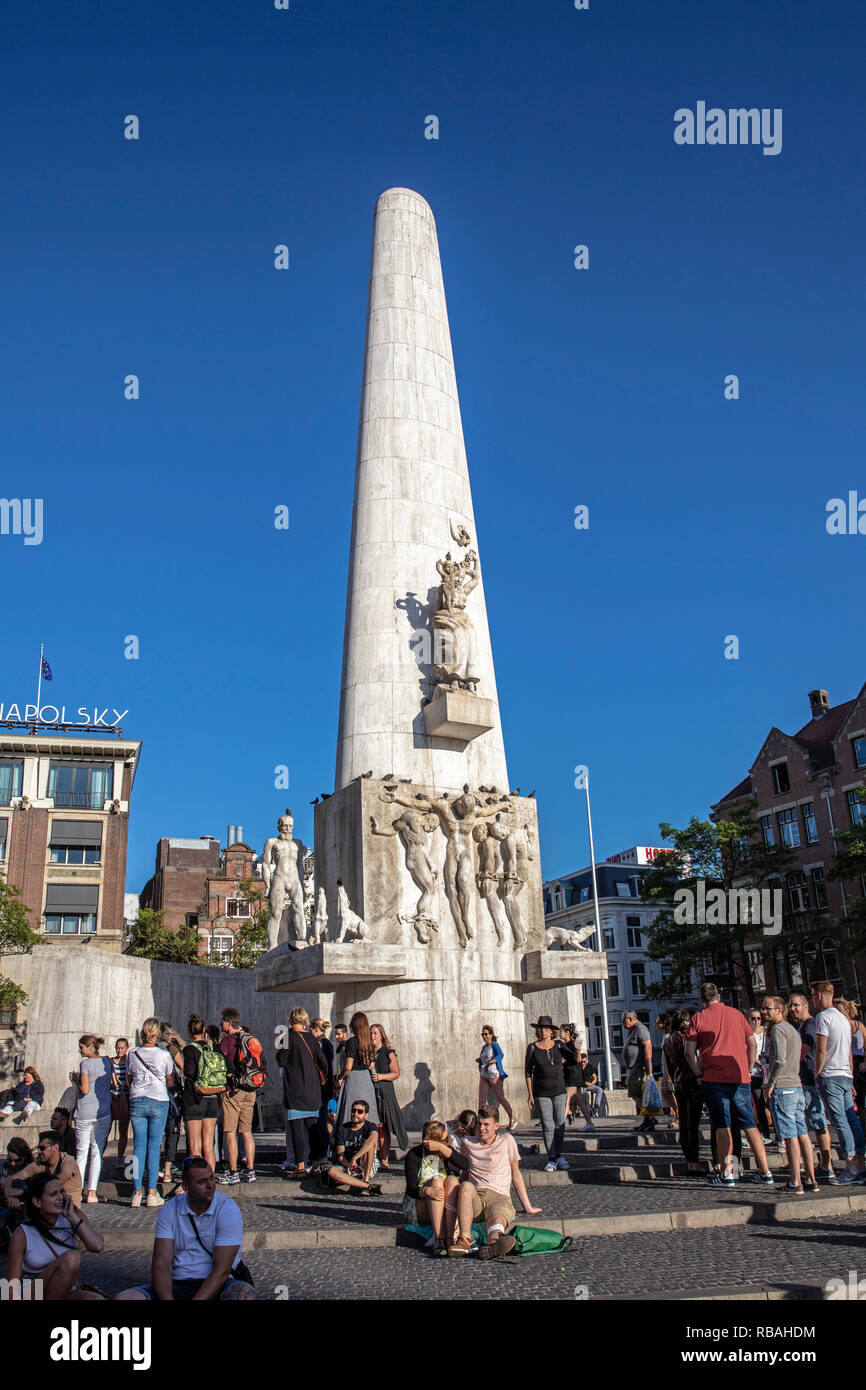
<point x="358" y="1110"/>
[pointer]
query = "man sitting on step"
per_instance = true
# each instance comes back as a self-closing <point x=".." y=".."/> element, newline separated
<point x="356" y="1162"/>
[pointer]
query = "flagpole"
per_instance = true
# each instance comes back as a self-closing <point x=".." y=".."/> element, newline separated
<point x="39" y="682"/>
<point x="608" y="1060"/>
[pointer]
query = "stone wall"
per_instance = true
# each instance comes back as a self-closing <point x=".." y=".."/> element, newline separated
<point x="77" y="989"/>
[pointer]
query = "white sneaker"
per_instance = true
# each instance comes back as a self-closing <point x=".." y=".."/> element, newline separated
<point x="154" y="1200"/>
<point x="550" y="1167"/>
<point x="136" y="1199"/>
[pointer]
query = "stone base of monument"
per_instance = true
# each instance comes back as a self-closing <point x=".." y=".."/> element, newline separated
<point x="433" y="1004"/>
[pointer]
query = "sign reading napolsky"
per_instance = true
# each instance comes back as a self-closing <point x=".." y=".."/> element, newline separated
<point x="52" y="714"/>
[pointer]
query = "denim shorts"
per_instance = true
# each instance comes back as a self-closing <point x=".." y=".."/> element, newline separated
<point x="789" y="1112"/>
<point x="723" y="1097"/>
<point x="183" y="1290"/>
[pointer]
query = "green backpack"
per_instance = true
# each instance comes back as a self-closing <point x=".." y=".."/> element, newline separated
<point x="210" y="1077"/>
<point x="531" y="1240"/>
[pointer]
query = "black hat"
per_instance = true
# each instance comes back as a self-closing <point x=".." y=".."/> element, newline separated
<point x="545" y="1021"/>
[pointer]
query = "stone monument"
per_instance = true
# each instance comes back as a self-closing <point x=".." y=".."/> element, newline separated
<point x="427" y="866"/>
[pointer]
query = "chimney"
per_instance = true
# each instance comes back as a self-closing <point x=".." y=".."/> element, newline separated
<point x="240" y="833"/>
<point x="230" y="835"/>
<point x="819" y="701"/>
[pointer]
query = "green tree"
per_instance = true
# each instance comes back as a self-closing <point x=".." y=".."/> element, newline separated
<point x="726" y="855"/>
<point x="17" y="938"/>
<point x="251" y="937"/>
<point x="153" y="940"/>
<point x="849" y="866"/>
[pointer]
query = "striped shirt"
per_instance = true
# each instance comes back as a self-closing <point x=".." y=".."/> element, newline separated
<point x="119" y="1067"/>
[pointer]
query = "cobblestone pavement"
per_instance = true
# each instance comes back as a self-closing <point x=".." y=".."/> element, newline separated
<point x="807" y="1253"/>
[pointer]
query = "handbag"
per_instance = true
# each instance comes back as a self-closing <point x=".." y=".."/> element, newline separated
<point x="239" y="1271"/>
<point x="320" y="1074"/>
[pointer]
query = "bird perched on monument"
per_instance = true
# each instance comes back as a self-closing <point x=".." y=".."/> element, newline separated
<point x="315" y="803"/>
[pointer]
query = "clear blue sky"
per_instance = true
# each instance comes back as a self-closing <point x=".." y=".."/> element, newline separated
<point x="602" y="387"/>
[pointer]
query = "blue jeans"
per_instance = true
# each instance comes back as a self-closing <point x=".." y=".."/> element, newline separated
<point x="837" y="1093"/>
<point x="148" y="1122"/>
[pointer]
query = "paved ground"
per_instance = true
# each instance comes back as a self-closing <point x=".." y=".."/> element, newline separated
<point x="624" y="1267"/>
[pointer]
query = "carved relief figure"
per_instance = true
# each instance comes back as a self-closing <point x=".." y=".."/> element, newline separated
<point x="320" y="922"/>
<point x="457" y="820"/>
<point x="569" y="940"/>
<point x="348" y="922"/>
<point x="516" y="855"/>
<point x="413" y="827"/>
<point x="489" y="876"/>
<point x="283" y="886"/>
<point x="456" y="662"/>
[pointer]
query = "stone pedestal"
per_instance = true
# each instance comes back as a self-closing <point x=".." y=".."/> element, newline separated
<point x="458" y="714"/>
<point x="433" y="1005"/>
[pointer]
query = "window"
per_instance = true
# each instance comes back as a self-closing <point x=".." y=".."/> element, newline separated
<point x="584" y="895"/>
<point x="11" y="776"/>
<point x="810" y="961"/>
<point x="781" y="962"/>
<point x="70" y="923"/>
<point x="594" y="990"/>
<point x="558" y="899"/>
<point x="810" y="825"/>
<point x="73" y="854"/>
<point x="788" y="828"/>
<point x="191" y="919"/>
<point x="740" y="849"/>
<point x="608" y="935"/>
<point x="221" y="948"/>
<point x="756" y="967"/>
<point x="767" y="827"/>
<point x="9" y="1018"/>
<point x="830" y="955"/>
<point x="616" y="1035"/>
<point x="856" y="807"/>
<point x="86" y="786"/>
<point x="795" y="967"/>
<point x="858" y="748"/>
<point x="613" y="981"/>
<point x="635" y="938"/>
<point x="623" y="888"/>
<point x="644" y="1018"/>
<point x="781" y="780"/>
<point x="4" y="831"/>
<point x="666" y="970"/>
<point x="596" y="1028"/>
<point x="638" y="979"/>
<point x="820" y="889"/>
<point x="798" y="892"/>
<point x="238" y="907"/>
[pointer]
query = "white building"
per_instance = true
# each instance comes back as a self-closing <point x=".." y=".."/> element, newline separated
<point x="625" y="922"/>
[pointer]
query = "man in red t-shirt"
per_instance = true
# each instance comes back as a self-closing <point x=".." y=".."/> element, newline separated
<point x="727" y="1050"/>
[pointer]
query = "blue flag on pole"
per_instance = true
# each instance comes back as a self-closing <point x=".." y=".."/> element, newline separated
<point x="47" y="673"/>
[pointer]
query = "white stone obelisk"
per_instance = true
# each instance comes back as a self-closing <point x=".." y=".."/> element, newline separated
<point x="411" y="494"/>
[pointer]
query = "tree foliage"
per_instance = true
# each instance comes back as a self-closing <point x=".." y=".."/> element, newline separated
<point x="251" y="937"/>
<point x="16" y="938"/>
<point x="849" y="866"/>
<point x="726" y="855"/>
<point x="153" y="940"/>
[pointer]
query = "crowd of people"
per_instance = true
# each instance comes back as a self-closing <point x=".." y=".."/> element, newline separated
<point x="779" y="1066"/>
<point x="788" y="1067"/>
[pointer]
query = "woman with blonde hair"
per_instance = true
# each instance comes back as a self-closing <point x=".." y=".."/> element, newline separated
<point x="304" y="1066"/>
<point x="93" y="1111"/>
<point x="386" y="1070"/>
<point x="858" y="1048"/>
<point x="151" y="1075"/>
<point x="355" y="1081"/>
<point x="433" y="1171"/>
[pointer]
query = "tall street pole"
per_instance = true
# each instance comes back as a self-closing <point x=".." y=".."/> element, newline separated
<point x="608" y="1060"/>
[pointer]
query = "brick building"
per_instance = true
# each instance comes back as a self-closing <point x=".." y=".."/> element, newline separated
<point x="64" y="820"/>
<point x="198" y="883"/>
<point x="805" y="785"/>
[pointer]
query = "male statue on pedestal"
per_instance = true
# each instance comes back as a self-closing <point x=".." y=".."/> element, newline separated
<point x="287" y="923"/>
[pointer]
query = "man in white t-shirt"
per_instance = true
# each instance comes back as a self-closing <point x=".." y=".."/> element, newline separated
<point x="197" y="1244"/>
<point x="485" y="1194"/>
<point x="834" y="1073"/>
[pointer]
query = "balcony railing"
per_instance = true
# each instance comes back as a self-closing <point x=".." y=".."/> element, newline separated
<point x="82" y="801"/>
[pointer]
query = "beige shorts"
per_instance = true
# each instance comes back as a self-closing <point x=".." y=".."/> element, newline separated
<point x="492" y="1207"/>
<point x="238" y="1112"/>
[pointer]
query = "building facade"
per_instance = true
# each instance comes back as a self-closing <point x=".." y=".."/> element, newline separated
<point x="806" y="787"/>
<point x="64" y="821"/>
<point x="196" y="883"/>
<point x="625" y="924"/>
